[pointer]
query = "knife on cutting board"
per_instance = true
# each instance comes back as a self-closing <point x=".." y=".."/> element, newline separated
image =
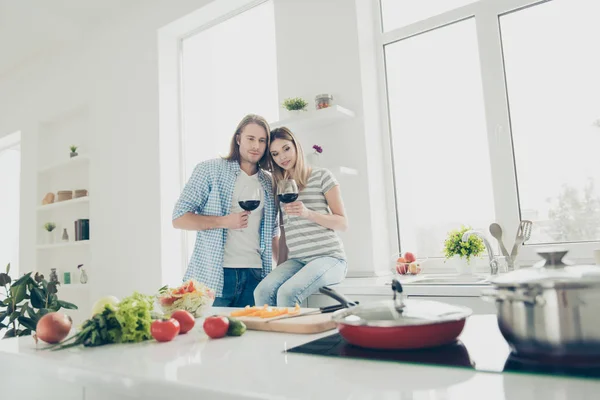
<point x="344" y="303"/>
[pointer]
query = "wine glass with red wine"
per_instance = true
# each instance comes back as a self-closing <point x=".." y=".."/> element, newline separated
<point x="287" y="191"/>
<point x="249" y="198"/>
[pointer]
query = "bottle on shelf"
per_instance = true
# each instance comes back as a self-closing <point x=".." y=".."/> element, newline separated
<point x="83" y="278"/>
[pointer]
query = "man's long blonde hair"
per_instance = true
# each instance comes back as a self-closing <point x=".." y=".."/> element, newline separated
<point x="234" y="147"/>
<point x="300" y="172"/>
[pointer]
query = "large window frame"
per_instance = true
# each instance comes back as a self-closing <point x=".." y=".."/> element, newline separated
<point x="487" y="15"/>
<point x="188" y="238"/>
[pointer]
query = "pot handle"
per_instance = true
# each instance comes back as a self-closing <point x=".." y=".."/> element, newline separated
<point x="494" y="295"/>
<point x="346" y="302"/>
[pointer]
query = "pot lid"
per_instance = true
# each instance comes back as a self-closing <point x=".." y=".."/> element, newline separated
<point x="400" y="312"/>
<point x="552" y="271"/>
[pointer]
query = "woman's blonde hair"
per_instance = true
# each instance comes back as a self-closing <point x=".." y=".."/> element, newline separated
<point x="234" y="147"/>
<point x="300" y="172"/>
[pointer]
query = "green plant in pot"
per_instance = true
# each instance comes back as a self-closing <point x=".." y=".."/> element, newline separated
<point x="454" y="245"/>
<point x="295" y="104"/>
<point x="24" y="301"/>
<point x="73" y="151"/>
<point x="50" y="227"/>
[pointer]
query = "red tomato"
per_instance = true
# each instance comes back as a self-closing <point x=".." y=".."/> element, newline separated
<point x="216" y="326"/>
<point x="164" y="330"/>
<point x="186" y="320"/>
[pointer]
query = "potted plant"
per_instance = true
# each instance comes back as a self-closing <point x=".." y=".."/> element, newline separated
<point x="459" y="252"/>
<point x="295" y="105"/>
<point x="49" y="227"/>
<point x="73" y="151"/>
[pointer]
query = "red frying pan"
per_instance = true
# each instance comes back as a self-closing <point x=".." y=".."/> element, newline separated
<point x="399" y="323"/>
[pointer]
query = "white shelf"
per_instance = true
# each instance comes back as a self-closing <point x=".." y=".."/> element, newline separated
<point x="77" y="243"/>
<point x="80" y="159"/>
<point x="315" y="119"/>
<point x="72" y="286"/>
<point x="65" y="203"/>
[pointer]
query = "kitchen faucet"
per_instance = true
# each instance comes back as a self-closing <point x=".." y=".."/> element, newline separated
<point x="488" y="247"/>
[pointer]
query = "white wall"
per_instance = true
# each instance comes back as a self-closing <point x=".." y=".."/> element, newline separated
<point x="113" y="72"/>
<point x="318" y="51"/>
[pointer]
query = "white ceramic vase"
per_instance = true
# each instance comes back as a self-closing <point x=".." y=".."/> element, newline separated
<point x="461" y="265"/>
<point x="292" y="113"/>
<point x="314" y="159"/>
<point x="50" y="237"/>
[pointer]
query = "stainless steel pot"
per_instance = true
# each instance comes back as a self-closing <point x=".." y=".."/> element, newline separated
<point x="551" y="309"/>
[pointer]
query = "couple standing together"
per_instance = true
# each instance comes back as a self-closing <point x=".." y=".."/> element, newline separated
<point x="234" y="249"/>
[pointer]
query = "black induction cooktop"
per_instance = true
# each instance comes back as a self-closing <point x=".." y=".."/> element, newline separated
<point x="480" y="347"/>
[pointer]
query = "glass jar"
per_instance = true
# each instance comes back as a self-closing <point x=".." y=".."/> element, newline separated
<point x="323" y="101"/>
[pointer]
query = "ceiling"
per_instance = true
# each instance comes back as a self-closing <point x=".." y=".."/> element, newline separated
<point x="30" y="28"/>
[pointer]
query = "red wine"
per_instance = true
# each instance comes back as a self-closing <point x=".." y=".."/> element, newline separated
<point x="249" y="205"/>
<point x="288" y="197"/>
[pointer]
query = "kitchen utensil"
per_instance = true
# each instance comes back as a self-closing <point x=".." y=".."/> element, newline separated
<point x="400" y="323"/>
<point x="523" y="233"/>
<point x="322" y="310"/>
<point x="550" y="309"/>
<point x="344" y="303"/>
<point x="496" y="231"/>
<point x="306" y="324"/>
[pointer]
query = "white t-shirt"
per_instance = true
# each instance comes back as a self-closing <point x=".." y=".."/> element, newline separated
<point x="242" y="248"/>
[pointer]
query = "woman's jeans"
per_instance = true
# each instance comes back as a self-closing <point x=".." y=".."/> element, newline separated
<point x="293" y="281"/>
<point x="238" y="287"/>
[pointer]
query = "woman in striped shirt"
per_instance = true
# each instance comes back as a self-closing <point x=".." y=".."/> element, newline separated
<point x="313" y="254"/>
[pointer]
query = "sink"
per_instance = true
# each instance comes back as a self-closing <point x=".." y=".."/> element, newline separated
<point x="451" y="280"/>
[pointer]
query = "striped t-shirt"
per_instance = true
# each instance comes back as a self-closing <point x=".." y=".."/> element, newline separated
<point x="307" y="240"/>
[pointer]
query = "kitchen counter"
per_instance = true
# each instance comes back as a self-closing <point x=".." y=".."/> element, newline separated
<point x="381" y="286"/>
<point x="256" y="366"/>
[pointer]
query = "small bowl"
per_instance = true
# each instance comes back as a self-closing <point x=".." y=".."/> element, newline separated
<point x="198" y="312"/>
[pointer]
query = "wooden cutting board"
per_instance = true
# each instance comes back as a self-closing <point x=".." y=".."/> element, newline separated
<point x="314" y="323"/>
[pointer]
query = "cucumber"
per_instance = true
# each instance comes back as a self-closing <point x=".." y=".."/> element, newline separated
<point x="236" y="327"/>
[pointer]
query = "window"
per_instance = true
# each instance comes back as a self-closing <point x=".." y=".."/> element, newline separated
<point x="398" y="13"/>
<point x="491" y="120"/>
<point x="554" y="96"/>
<point x="10" y="182"/>
<point x="442" y="166"/>
<point x="228" y="70"/>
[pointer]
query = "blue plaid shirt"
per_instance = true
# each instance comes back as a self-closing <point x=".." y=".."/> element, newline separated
<point x="209" y="191"/>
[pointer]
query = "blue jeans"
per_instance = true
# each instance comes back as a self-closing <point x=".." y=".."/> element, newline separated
<point x="238" y="288"/>
<point x="293" y="281"/>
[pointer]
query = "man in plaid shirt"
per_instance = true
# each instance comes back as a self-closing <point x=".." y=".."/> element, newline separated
<point x="234" y="248"/>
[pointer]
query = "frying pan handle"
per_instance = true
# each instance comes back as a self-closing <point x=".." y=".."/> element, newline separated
<point x="398" y="295"/>
<point x="397" y="286"/>
<point x="346" y="302"/>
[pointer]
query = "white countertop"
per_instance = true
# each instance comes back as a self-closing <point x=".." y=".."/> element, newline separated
<point x="256" y="365"/>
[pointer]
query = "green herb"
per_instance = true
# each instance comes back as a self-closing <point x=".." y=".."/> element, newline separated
<point x="73" y="148"/>
<point x="295" y="103"/>
<point x="454" y="245"/>
<point x="134" y="313"/>
<point x="129" y="322"/>
<point x="49" y="226"/>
